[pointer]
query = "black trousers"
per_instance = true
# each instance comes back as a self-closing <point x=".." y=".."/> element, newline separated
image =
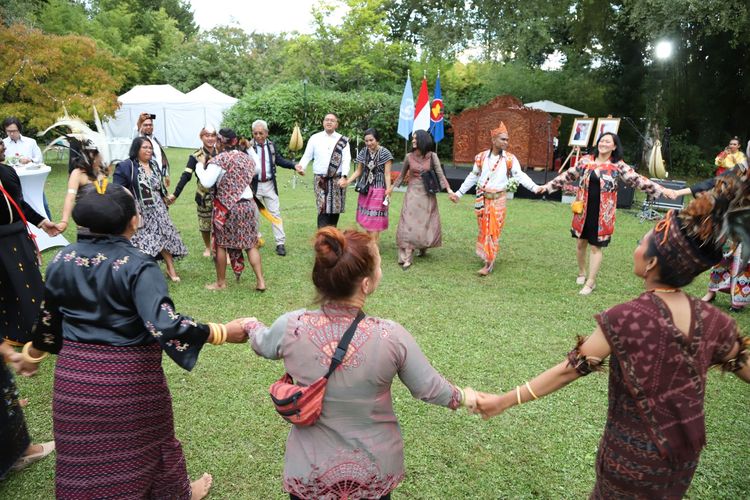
<point x="328" y="220"/>
<point x="295" y="497"/>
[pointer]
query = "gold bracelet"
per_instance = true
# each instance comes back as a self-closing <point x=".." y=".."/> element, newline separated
<point x="224" y="333"/>
<point x="214" y="333"/>
<point x="463" y="396"/>
<point x="528" y="386"/>
<point x="28" y="357"/>
<point x="518" y="394"/>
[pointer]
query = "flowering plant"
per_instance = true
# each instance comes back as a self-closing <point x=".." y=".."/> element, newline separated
<point x="512" y="185"/>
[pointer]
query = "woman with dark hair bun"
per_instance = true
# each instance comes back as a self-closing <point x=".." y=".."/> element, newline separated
<point x="158" y="235"/>
<point x="419" y="222"/>
<point x="354" y="450"/>
<point x="599" y="176"/>
<point x="108" y="317"/>
<point x="374" y="167"/>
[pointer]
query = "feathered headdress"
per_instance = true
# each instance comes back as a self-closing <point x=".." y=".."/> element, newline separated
<point x="692" y="239"/>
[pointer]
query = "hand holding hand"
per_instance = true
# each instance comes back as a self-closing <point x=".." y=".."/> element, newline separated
<point x="171" y="199"/>
<point x="49" y="227"/>
<point x="299" y="169"/>
<point x="61" y="227"/>
<point x="343" y="183"/>
<point x="489" y="405"/>
<point x="236" y="331"/>
<point x="470" y="399"/>
<point x="540" y="190"/>
<point x="453" y="197"/>
<point x="22" y="367"/>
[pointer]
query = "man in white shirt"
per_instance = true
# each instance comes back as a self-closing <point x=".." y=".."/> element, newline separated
<point x="22" y="150"/>
<point x="18" y="148"/>
<point x="331" y="157"/>
<point x="492" y="170"/>
<point x="146" y="129"/>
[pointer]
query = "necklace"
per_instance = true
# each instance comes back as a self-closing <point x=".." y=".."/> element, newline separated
<point x="665" y="290"/>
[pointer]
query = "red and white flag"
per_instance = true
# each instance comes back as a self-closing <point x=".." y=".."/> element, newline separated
<point x="422" y="108"/>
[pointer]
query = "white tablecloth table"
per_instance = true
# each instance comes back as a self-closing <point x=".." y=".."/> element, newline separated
<point x="32" y="185"/>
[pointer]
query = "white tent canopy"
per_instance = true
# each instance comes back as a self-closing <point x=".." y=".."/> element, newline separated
<point x="553" y="108"/>
<point x="179" y="117"/>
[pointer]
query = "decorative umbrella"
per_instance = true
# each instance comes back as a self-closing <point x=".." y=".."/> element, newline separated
<point x="553" y="108"/>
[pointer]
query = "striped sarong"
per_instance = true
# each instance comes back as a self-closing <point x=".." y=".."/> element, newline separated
<point x="113" y="426"/>
<point x="490" y="219"/>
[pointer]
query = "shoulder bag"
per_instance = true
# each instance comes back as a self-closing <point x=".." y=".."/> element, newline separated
<point x="302" y="405"/>
<point x="430" y="178"/>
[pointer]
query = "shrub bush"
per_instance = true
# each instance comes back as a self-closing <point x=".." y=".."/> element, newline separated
<point x="286" y="104"/>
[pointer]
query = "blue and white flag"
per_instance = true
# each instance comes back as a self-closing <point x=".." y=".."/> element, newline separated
<point x="406" y="113"/>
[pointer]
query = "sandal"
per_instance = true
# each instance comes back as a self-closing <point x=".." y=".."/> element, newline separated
<point x="27" y="460"/>
<point x="581" y="279"/>
<point x="587" y="289"/>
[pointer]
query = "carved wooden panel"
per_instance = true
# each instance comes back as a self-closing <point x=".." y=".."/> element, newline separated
<point x="529" y="130"/>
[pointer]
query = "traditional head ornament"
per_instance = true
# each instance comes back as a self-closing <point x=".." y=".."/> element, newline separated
<point x="142" y="118"/>
<point x="208" y="130"/>
<point x="691" y="240"/>
<point x="501" y="129"/>
<point x="227" y="135"/>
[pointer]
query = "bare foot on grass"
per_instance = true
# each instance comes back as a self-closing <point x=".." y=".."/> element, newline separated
<point x="199" y="488"/>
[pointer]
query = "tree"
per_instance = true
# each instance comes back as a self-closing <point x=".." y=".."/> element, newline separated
<point x="41" y="73"/>
<point x="355" y="55"/>
<point x="227" y="58"/>
<point x="145" y="37"/>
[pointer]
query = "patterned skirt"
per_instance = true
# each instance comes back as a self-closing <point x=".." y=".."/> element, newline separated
<point x="159" y="232"/>
<point x="14" y="438"/>
<point x="727" y="277"/>
<point x="490" y="219"/>
<point x="372" y="215"/>
<point x="113" y="425"/>
<point x="419" y="223"/>
<point x="329" y="197"/>
<point x="21" y="286"/>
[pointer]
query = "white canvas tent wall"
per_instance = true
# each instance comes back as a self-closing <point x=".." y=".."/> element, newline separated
<point x="179" y="117"/>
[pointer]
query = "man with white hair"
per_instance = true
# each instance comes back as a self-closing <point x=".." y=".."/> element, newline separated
<point x="264" y="183"/>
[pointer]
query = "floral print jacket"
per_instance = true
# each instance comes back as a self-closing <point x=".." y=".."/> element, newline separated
<point x="610" y="175"/>
<point x="103" y="290"/>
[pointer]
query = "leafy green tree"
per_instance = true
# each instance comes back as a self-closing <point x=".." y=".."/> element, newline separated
<point x="146" y="38"/>
<point x="354" y="55"/>
<point x="229" y="59"/>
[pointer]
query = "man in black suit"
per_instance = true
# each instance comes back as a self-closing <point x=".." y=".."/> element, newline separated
<point x="264" y="183"/>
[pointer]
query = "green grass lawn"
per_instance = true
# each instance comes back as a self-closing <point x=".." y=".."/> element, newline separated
<point x="490" y="333"/>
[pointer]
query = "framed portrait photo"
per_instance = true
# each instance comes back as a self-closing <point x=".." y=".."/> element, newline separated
<point x="604" y="125"/>
<point x="581" y="132"/>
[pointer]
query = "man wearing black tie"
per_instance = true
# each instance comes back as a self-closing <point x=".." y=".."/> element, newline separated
<point x="264" y="183"/>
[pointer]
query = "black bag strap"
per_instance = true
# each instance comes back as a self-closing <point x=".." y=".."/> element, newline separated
<point x="341" y="349"/>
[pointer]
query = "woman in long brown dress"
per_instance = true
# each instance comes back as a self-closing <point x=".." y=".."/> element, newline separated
<point x="419" y="222"/>
<point x="662" y="344"/>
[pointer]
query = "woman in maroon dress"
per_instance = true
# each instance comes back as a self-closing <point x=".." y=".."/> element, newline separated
<point x="661" y="345"/>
